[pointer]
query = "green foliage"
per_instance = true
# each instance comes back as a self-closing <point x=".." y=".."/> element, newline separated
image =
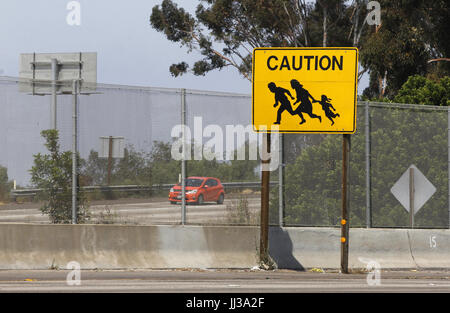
<point x="231" y="171"/>
<point x="226" y="31"/>
<point x="5" y="185"/>
<point x="163" y="168"/>
<point x="420" y="90"/>
<point x="53" y="174"/>
<point x="399" y="137"/>
<point x="312" y="184"/>
<point x="158" y="167"/>
<point x="132" y="169"/>
<point x="234" y="170"/>
<point x="339" y="23"/>
<point x="412" y="33"/>
<point x="95" y="169"/>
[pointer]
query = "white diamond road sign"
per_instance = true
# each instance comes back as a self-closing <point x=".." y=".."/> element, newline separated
<point x="423" y="189"/>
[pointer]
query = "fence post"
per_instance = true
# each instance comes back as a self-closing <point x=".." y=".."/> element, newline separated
<point x="281" y="180"/>
<point x="368" y="167"/>
<point x="448" y="168"/>
<point x="110" y="143"/>
<point x="54" y="114"/>
<point x="183" y="160"/>
<point x="74" y="150"/>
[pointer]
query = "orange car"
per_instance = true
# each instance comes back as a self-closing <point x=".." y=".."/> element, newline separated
<point x="199" y="190"/>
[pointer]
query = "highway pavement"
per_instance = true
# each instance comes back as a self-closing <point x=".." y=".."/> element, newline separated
<point x="222" y="281"/>
<point x="135" y="212"/>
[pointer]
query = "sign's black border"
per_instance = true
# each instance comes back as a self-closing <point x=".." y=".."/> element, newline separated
<point x="306" y="131"/>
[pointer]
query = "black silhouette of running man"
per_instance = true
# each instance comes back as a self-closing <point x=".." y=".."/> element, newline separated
<point x="305" y="106"/>
<point x="280" y="97"/>
<point x="327" y="106"/>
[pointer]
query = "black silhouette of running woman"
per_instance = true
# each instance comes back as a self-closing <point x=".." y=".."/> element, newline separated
<point x="327" y="106"/>
<point x="305" y="106"/>
<point x="280" y="97"/>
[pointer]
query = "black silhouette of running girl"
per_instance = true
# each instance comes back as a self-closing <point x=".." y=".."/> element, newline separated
<point x="280" y="97"/>
<point x="305" y="106"/>
<point x="327" y="106"/>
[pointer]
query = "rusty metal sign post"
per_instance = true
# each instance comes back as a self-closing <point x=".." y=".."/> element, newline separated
<point x="265" y="178"/>
<point x="346" y="145"/>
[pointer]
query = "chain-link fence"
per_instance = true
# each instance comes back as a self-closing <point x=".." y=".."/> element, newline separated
<point x="390" y="138"/>
<point x="140" y="179"/>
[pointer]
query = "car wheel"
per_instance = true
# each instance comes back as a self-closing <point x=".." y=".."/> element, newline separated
<point x="221" y="198"/>
<point x="200" y="200"/>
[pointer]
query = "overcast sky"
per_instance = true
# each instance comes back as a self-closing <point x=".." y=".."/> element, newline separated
<point x="129" y="51"/>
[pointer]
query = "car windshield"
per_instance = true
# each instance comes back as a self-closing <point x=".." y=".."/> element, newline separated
<point x="194" y="182"/>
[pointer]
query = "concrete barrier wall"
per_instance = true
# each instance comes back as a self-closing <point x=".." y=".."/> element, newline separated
<point x="389" y="247"/>
<point x="27" y="246"/>
<point x="430" y="248"/>
<point x="298" y="248"/>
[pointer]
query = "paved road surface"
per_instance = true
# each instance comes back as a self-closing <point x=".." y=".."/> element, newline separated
<point x="222" y="281"/>
<point x="136" y="211"/>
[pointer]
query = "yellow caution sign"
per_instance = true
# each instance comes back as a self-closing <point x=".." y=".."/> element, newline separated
<point x="305" y="90"/>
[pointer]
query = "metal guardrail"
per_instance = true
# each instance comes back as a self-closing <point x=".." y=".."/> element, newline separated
<point x="132" y="188"/>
